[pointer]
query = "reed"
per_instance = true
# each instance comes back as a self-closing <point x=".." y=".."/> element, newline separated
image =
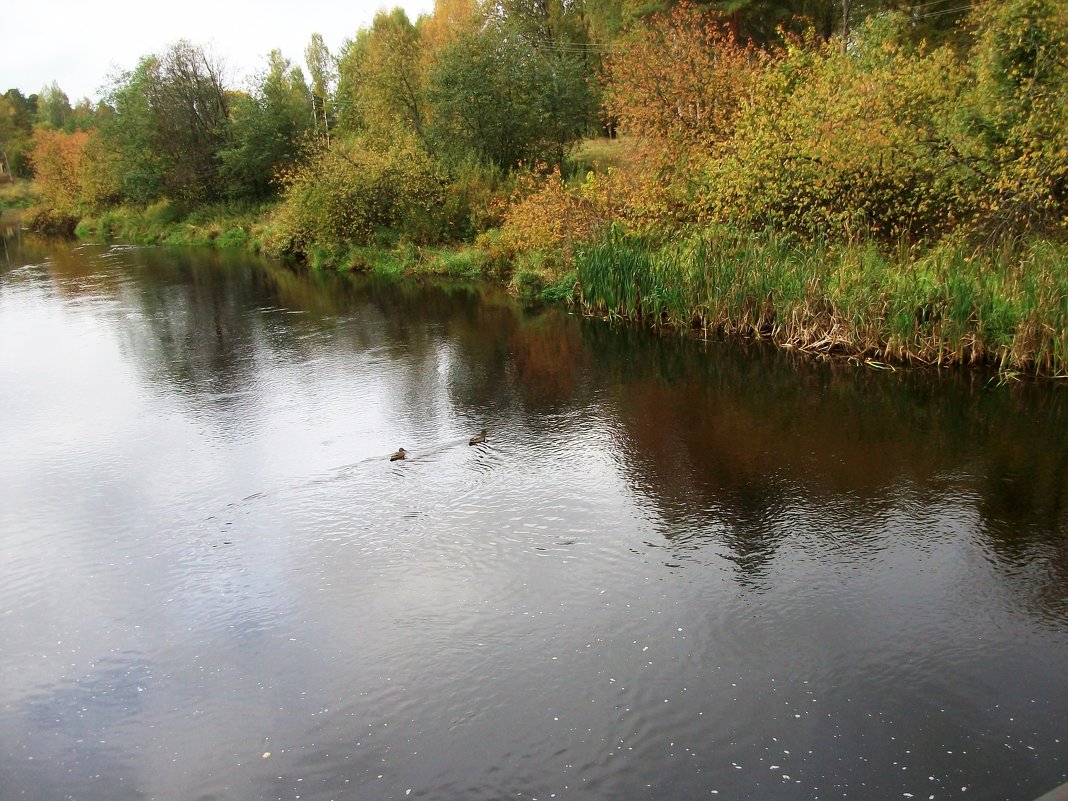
<point x="1005" y="306"/>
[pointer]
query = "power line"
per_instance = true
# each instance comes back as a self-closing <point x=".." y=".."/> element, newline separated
<point x="944" y="12"/>
<point x="927" y="6"/>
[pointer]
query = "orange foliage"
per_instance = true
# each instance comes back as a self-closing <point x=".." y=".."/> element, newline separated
<point x="57" y="161"/>
<point x="546" y="216"/>
<point x="72" y="171"/>
<point x="682" y="78"/>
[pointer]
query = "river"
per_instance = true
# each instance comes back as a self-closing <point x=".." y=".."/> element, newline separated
<point x="676" y="569"/>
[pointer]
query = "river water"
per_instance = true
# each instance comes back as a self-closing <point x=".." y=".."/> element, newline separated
<point x="675" y="570"/>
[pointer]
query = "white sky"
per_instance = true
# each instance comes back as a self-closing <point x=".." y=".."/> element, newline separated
<point x="79" y="43"/>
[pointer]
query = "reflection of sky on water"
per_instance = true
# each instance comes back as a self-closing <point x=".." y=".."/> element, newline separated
<point x="671" y="559"/>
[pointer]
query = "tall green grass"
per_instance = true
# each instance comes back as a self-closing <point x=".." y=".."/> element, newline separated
<point x="1006" y="307"/>
<point x="224" y="226"/>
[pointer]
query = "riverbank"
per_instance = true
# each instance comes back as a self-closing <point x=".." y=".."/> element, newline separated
<point x="1004" y="307"/>
<point x="947" y="305"/>
<point x="17" y="195"/>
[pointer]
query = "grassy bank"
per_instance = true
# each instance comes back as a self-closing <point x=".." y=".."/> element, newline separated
<point x="1005" y="307"/>
<point x="163" y="223"/>
<point x="950" y="305"/>
<point x="17" y="195"/>
<point x="252" y="228"/>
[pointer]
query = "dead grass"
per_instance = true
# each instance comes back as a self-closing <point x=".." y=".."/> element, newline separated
<point x="601" y="154"/>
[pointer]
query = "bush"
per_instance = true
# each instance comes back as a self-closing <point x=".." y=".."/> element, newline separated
<point x="1013" y="127"/>
<point x="845" y="144"/>
<point x="74" y="171"/>
<point x="470" y="202"/>
<point x="232" y="238"/>
<point x="548" y="218"/>
<point x="353" y="193"/>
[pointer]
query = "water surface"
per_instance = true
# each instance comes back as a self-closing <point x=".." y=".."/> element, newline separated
<point x="676" y="569"/>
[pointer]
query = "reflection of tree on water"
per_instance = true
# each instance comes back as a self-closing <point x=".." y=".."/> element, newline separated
<point x="734" y="434"/>
<point x="202" y="337"/>
<point x="1023" y="500"/>
<point x="10" y="234"/>
<point x="711" y="432"/>
<point x="534" y="358"/>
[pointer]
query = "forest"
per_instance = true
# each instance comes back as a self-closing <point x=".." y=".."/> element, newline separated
<point x="878" y="179"/>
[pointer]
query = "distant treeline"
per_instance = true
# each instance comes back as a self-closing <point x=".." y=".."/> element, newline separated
<point x="491" y="88"/>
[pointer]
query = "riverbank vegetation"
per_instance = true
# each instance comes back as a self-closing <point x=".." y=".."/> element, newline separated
<point x="891" y="184"/>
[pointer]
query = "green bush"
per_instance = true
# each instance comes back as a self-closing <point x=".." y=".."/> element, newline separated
<point x="232" y="238"/>
<point x="1013" y="126"/>
<point x="469" y="203"/>
<point x="353" y="193"/>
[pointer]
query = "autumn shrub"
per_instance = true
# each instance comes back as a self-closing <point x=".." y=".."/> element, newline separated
<point x="548" y="218"/>
<point x="353" y="193"/>
<point x="846" y="143"/>
<point x="1012" y="129"/>
<point x="639" y="197"/>
<point x="73" y="172"/>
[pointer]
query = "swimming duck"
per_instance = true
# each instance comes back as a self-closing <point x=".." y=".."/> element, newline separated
<point x="398" y="455"/>
<point x="478" y="438"/>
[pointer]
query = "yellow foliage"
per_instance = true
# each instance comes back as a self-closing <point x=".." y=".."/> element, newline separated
<point x="843" y="143"/>
<point x="547" y="216"/>
<point x="352" y="192"/>
<point x="73" y="171"/>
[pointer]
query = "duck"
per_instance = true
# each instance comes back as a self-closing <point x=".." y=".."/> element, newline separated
<point x="398" y="455"/>
<point x="478" y="438"/>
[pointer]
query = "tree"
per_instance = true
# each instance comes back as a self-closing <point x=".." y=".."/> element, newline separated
<point x="190" y="108"/>
<point x="559" y="33"/>
<point x="17" y="115"/>
<point x="761" y="20"/>
<point x="321" y="68"/>
<point x="504" y="98"/>
<point x="382" y="77"/>
<point x="450" y="20"/>
<point x="171" y="121"/>
<point x="681" y="79"/>
<point x="53" y="107"/>
<point x="129" y="129"/>
<point x="269" y="126"/>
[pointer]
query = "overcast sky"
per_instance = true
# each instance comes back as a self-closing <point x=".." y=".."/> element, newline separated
<point x="79" y="43"/>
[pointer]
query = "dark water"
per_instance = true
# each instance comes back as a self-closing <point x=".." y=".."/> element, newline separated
<point x="676" y="570"/>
